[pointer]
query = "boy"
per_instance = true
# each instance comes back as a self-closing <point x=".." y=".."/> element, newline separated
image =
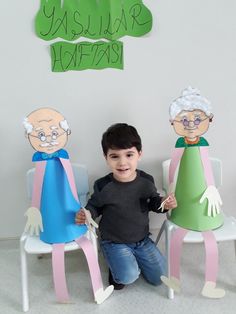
<point x="123" y="199"/>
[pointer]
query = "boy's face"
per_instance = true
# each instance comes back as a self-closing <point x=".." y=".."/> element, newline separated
<point x="191" y="124"/>
<point x="123" y="163"/>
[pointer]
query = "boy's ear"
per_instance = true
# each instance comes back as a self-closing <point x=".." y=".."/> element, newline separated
<point x="140" y="154"/>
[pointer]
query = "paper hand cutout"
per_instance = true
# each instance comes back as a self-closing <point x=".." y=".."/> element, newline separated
<point x="34" y="221"/>
<point x="90" y="222"/>
<point x="214" y="200"/>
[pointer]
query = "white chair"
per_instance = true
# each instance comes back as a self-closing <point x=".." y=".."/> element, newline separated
<point x="33" y="245"/>
<point x="224" y="233"/>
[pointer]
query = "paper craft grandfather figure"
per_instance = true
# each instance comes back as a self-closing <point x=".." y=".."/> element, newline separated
<point x="197" y="197"/>
<point x="55" y="200"/>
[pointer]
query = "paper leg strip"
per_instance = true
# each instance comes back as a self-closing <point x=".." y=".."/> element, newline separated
<point x="58" y="266"/>
<point x="100" y="295"/>
<point x="176" y="244"/>
<point x="209" y="290"/>
<point x="211" y="256"/>
<point x="172" y="283"/>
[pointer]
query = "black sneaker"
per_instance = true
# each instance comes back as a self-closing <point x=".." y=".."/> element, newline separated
<point x="117" y="286"/>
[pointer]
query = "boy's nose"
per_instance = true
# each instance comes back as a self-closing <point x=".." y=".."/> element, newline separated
<point x="122" y="161"/>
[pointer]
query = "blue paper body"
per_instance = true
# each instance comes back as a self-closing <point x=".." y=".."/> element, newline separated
<point x="58" y="206"/>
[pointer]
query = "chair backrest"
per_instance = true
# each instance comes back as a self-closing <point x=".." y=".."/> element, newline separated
<point x="81" y="181"/>
<point x="216" y="165"/>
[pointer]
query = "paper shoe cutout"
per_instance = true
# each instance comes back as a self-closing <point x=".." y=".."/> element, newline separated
<point x="210" y="291"/>
<point x="101" y="295"/>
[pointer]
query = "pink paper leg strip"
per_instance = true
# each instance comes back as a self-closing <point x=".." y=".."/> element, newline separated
<point x="211" y="256"/>
<point x="58" y="267"/>
<point x="175" y="251"/>
<point x="92" y="261"/>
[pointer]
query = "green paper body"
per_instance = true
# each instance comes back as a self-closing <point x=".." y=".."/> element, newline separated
<point x="190" y="186"/>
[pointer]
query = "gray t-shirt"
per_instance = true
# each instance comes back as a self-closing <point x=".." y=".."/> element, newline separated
<point x="124" y="207"/>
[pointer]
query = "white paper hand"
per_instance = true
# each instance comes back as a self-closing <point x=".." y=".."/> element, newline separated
<point x="214" y="200"/>
<point x="90" y="222"/>
<point x="34" y="221"/>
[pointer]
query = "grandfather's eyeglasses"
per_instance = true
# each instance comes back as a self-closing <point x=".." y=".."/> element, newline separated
<point x="43" y="137"/>
<point x="187" y="122"/>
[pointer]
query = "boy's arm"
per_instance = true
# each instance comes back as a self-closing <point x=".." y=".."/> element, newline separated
<point x="94" y="204"/>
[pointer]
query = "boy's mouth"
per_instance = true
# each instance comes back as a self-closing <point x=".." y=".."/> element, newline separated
<point x="122" y="170"/>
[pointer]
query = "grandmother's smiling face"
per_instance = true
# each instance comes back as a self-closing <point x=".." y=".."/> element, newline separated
<point x="191" y="124"/>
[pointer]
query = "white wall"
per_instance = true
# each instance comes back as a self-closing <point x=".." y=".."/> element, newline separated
<point x="191" y="43"/>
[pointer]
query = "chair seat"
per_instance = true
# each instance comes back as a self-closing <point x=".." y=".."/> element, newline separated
<point x="223" y="233"/>
<point x="33" y="245"/>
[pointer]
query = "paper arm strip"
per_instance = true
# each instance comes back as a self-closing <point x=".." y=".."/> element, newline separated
<point x="38" y="182"/>
<point x="175" y="158"/>
<point x="69" y="172"/>
<point x="207" y="166"/>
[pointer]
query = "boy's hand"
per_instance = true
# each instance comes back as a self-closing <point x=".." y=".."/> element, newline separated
<point x="88" y="219"/>
<point x="84" y="217"/>
<point x="80" y="217"/>
<point x="168" y="202"/>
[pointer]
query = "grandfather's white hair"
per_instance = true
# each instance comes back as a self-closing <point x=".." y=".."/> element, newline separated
<point x="190" y="100"/>
<point x="29" y="127"/>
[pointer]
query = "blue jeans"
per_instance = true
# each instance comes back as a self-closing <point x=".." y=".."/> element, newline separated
<point x="127" y="261"/>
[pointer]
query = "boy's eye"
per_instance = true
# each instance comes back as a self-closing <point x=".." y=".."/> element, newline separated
<point x="129" y="155"/>
<point x="114" y="157"/>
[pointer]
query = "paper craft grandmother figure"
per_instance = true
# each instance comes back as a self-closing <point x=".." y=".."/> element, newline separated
<point x="198" y="200"/>
<point x="55" y="201"/>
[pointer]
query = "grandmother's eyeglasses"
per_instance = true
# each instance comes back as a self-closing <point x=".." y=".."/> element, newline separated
<point x="187" y="122"/>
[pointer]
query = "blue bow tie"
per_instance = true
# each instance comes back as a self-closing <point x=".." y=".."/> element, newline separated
<point x="46" y="156"/>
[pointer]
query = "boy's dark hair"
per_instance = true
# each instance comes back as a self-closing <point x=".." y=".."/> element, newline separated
<point x="121" y="136"/>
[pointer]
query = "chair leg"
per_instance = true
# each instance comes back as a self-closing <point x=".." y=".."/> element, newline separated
<point x="160" y="232"/>
<point x="24" y="277"/>
<point x="235" y="247"/>
<point x="167" y="247"/>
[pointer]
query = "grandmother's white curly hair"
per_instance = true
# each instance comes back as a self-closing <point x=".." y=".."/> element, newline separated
<point x="190" y="100"/>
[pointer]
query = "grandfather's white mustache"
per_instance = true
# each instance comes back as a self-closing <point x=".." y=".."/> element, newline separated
<point x="52" y="143"/>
